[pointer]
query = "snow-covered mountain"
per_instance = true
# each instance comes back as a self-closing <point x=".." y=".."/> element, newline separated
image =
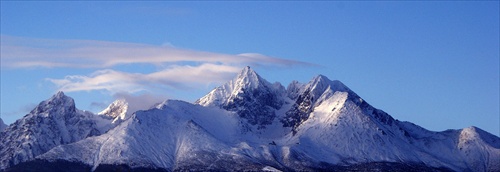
<point x="116" y="110"/>
<point x="252" y="97"/>
<point x="307" y="97"/>
<point x="53" y="122"/>
<point x="251" y="124"/>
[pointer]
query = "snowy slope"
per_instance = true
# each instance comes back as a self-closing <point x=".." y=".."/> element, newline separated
<point x="360" y="133"/>
<point x="307" y="97"/>
<point x="251" y="124"/>
<point x="354" y="135"/>
<point x="53" y="122"/>
<point x="480" y="149"/>
<point x="175" y="135"/>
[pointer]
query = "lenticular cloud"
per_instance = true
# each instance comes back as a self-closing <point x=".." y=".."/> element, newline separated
<point x="21" y="52"/>
<point x="195" y="67"/>
<point x="117" y="81"/>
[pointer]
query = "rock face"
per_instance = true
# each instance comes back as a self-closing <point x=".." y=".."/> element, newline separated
<point x="250" y="96"/>
<point x="307" y="97"/>
<point x="53" y="122"/>
<point x="246" y="124"/>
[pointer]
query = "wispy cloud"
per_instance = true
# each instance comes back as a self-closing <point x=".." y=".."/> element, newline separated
<point x="21" y="52"/>
<point x="139" y="102"/>
<point x="178" y="77"/>
<point x="176" y="68"/>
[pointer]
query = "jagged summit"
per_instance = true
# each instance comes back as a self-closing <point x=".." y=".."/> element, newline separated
<point x="59" y="96"/>
<point x="66" y="103"/>
<point x="248" y="78"/>
<point x="320" y="77"/>
<point x="322" y="82"/>
<point x="250" y="96"/>
<point x="117" y="110"/>
<point x="53" y="122"/>
<point x="308" y="96"/>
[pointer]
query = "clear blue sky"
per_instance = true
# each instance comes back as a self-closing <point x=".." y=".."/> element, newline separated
<point x="432" y="63"/>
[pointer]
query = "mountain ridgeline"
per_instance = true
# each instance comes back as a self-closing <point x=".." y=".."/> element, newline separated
<point x="246" y="124"/>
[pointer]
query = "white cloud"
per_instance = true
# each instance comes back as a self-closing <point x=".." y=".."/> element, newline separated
<point x="177" y="77"/>
<point x="176" y="68"/>
<point x="21" y="52"/>
<point x="139" y="102"/>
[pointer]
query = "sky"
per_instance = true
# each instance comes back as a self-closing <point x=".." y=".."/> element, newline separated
<point x="435" y="64"/>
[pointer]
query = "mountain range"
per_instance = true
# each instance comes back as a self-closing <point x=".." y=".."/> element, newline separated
<point x="247" y="124"/>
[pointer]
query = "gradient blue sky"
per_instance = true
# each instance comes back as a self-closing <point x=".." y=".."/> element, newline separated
<point x="435" y="64"/>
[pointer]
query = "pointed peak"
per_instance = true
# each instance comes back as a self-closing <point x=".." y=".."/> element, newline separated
<point x="115" y="105"/>
<point x="60" y="93"/>
<point x="247" y="72"/>
<point x="117" y="110"/>
<point x="120" y="102"/>
<point x="321" y="78"/>
<point x="249" y="78"/>
<point x="58" y="101"/>
<point x="320" y="84"/>
<point x="320" y="81"/>
<point x="60" y="97"/>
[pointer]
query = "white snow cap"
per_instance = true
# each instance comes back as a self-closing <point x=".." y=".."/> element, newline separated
<point x="117" y="110"/>
<point x="247" y="77"/>
<point x="59" y="102"/>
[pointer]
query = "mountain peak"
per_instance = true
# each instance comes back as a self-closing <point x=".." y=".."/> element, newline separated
<point x="246" y="80"/>
<point x="247" y="69"/>
<point x="60" y="100"/>
<point x="252" y="97"/>
<point x="320" y="81"/>
<point x="53" y="122"/>
<point x="58" y="95"/>
<point x="117" y="110"/>
<point x="248" y="77"/>
<point x="320" y="78"/>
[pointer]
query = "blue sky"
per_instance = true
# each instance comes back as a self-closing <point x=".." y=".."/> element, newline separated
<point x="432" y="63"/>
